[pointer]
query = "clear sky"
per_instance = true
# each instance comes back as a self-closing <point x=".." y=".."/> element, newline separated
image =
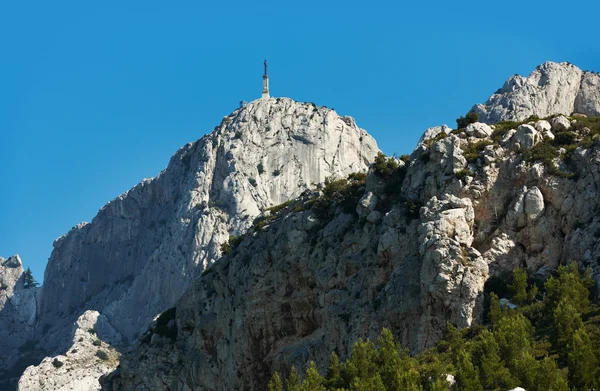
<point x="95" y="96"/>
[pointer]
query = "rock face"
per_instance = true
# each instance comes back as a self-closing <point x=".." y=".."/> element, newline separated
<point x="409" y="251"/>
<point x="145" y="247"/>
<point x="552" y="88"/>
<point x="17" y="317"/>
<point x="80" y="367"/>
<point x="307" y="284"/>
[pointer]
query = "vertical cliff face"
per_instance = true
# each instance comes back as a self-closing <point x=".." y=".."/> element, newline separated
<point x="409" y="252"/>
<point x="552" y="88"/>
<point x="145" y="247"/>
<point x="17" y="317"/>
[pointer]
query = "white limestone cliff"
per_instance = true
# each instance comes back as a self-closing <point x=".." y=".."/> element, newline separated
<point x="144" y="248"/>
<point x="552" y="88"/>
<point x="310" y="282"/>
<point x="81" y="365"/>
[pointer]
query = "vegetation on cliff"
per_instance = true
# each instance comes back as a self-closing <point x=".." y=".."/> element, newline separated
<point x="546" y="338"/>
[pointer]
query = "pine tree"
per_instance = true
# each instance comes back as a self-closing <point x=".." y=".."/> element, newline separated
<point x="312" y="381"/>
<point x="275" y="384"/>
<point x="467" y="376"/>
<point x="583" y="364"/>
<point x="362" y="364"/>
<point x="549" y="377"/>
<point x="568" y="285"/>
<point x="513" y="335"/>
<point x="496" y="311"/>
<point x="492" y="371"/>
<point x="566" y="322"/>
<point x="293" y="381"/>
<point x="333" y="377"/>
<point x="389" y="360"/>
<point x="28" y="280"/>
<point x="518" y="288"/>
<point x="524" y="368"/>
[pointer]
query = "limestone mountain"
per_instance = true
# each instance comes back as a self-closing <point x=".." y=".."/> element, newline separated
<point x="144" y="248"/>
<point x="410" y="247"/>
<point x="552" y="88"/>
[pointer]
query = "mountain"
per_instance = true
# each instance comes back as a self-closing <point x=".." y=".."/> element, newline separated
<point x="144" y="248"/>
<point x="307" y="265"/>
<point x="409" y="248"/>
<point x="552" y="88"/>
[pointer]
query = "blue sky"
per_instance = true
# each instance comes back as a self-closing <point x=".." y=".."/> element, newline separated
<point x="95" y="96"/>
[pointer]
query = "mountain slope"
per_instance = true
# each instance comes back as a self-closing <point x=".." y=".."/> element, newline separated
<point x="552" y="88"/>
<point x="145" y="247"/>
<point x="409" y="249"/>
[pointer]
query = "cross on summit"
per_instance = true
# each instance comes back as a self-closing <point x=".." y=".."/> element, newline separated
<point x="265" y="90"/>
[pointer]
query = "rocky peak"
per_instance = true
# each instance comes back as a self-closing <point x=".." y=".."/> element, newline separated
<point x="409" y="249"/>
<point x="552" y="88"/>
<point x="145" y="247"/>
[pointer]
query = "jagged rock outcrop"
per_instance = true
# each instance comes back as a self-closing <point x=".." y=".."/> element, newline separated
<point x="552" y="88"/>
<point x="82" y="364"/>
<point x="307" y="284"/>
<point x="144" y="248"/>
<point x="407" y="251"/>
<point x="17" y="317"/>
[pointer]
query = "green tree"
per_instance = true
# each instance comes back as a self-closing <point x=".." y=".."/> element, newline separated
<point x="518" y="288"/>
<point x="467" y="376"/>
<point x="524" y="368"/>
<point x="568" y="285"/>
<point x="549" y="377"/>
<point x="583" y="364"/>
<point x="513" y="335"/>
<point x="566" y="322"/>
<point x="496" y="311"/>
<point x="492" y="371"/>
<point x="312" y="381"/>
<point x="389" y="360"/>
<point x="275" y="384"/>
<point x="333" y="377"/>
<point x="470" y="118"/>
<point x="362" y="361"/>
<point x="293" y="382"/>
<point x="28" y="280"/>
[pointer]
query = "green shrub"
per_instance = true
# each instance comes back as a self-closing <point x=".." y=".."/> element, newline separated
<point x="238" y="134"/>
<point x="260" y="168"/>
<point x="438" y="137"/>
<point x="462" y="122"/>
<point x="405" y="158"/>
<point x="501" y="128"/>
<point x="472" y="151"/>
<point x="463" y="174"/>
<point x="384" y="166"/>
<point x="277" y="208"/>
<point x="57" y="363"/>
<point x="252" y="182"/>
<point x="230" y="244"/>
<point x="97" y="342"/>
<point x="101" y="354"/>
<point x="412" y="208"/>
<point x="564" y="138"/>
<point x="425" y="157"/>
<point x="276" y="172"/>
<point x="541" y="152"/>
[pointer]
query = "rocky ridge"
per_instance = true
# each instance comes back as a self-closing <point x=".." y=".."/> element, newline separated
<point x="84" y="360"/>
<point x="414" y="253"/>
<point x="552" y="88"/>
<point x="330" y="268"/>
<point x="144" y="248"/>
